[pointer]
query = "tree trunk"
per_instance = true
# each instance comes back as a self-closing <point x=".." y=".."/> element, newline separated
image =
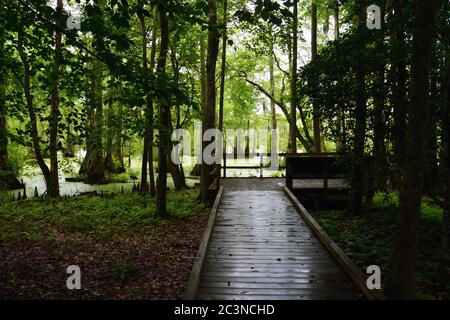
<point x="32" y="113"/>
<point x="109" y="164"/>
<point x="379" y="144"/>
<point x="145" y="152"/>
<point x="163" y="110"/>
<point x="339" y="120"/>
<point x="272" y="86"/>
<point x="360" y="130"/>
<point x="443" y="273"/>
<point x="431" y="170"/>
<point x="293" y="122"/>
<point x="150" y="109"/>
<point x="53" y="190"/>
<point x="209" y="112"/>
<point x="8" y="178"/>
<point x="196" y="169"/>
<point x="400" y="284"/>
<point x="224" y="64"/>
<point x="399" y="98"/>
<point x="95" y="170"/>
<point x="316" y="119"/>
<point x="273" y="144"/>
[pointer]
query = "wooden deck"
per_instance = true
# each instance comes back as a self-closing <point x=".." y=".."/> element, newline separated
<point x="260" y="248"/>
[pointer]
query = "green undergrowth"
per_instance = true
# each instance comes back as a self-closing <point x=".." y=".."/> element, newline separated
<point x="368" y="238"/>
<point x="105" y="217"/>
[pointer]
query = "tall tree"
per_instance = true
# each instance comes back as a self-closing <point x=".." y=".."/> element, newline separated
<point x="53" y="190"/>
<point x="399" y="91"/>
<point x="379" y="144"/>
<point x="316" y="119"/>
<point x="164" y="117"/>
<point x="26" y="84"/>
<point x="400" y="284"/>
<point x="8" y="178"/>
<point x="208" y="121"/>
<point x="340" y="118"/>
<point x="360" y="115"/>
<point x="145" y="152"/>
<point x="443" y="273"/>
<point x="294" y="102"/>
<point x="224" y="63"/>
<point x="150" y="109"/>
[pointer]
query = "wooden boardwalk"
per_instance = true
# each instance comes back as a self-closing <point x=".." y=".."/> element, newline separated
<point x="260" y="248"/>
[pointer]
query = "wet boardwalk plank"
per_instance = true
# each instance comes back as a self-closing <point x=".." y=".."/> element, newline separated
<point x="261" y="248"/>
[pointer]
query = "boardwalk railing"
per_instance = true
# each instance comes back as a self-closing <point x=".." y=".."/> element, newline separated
<point x="194" y="279"/>
<point x="344" y="261"/>
<point x="261" y="166"/>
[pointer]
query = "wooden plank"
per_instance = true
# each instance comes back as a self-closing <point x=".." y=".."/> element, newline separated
<point x="262" y="247"/>
<point x="264" y="285"/>
<point x="274" y="292"/>
<point x="221" y="296"/>
<point x="194" y="278"/>
<point x="307" y="279"/>
<point x="346" y="263"/>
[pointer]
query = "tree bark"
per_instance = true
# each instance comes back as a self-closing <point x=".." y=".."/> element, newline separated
<point x="294" y="102"/>
<point x="53" y="190"/>
<point x="360" y="129"/>
<point x="95" y="169"/>
<point x="316" y="118"/>
<point x="379" y="144"/>
<point x="399" y="94"/>
<point x="145" y="152"/>
<point x="8" y="178"/>
<point x="339" y="120"/>
<point x="151" y="110"/>
<point x="224" y="64"/>
<point x="209" y="113"/>
<point x="443" y="273"/>
<point x="163" y="110"/>
<point x="196" y="169"/>
<point x="400" y="284"/>
<point x="31" y="112"/>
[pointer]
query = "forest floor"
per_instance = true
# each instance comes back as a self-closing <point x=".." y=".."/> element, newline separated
<point x="123" y="249"/>
<point x="368" y="238"/>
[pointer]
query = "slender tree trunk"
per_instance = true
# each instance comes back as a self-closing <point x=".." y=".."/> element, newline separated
<point x="400" y="284"/>
<point x="151" y="110"/>
<point x="339" y="124"/>
<point x="145" y="152"/>
<point x="431" y="171"/>
<point x="176" y="171"/>
<point x="53" y="190"/>
<point x="164" y="134"/>
<point x="443" y="273"/>
<point x="95" y="169"/>
<point x="294" y="102"/>
<point x="360" y="130"/>
<point x="109" y="164"/>
<point x="117" y="140"/>
<point x="273" y="139"/>
<point x="32" y="113"/>
<point x="316" y="119"/>
<point x="399" y="94"/>
<point x="8" y="178"/>
<point x="224" y="64"/>
<point x="379" y="149"/>
<point x="196" y="169"/>
<point x="209" y="113"/>
<point x="272" y="87"/>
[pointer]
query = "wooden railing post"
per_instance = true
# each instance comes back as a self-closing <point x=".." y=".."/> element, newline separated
<point x="261" y="165"/>
<point x="224" y="165"/>
<point x="289" y="183"/>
